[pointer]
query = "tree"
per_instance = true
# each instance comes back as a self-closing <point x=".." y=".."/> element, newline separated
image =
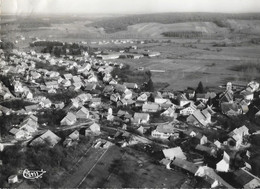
<point x="200" y="88"/>
<point x="149" y="86"/>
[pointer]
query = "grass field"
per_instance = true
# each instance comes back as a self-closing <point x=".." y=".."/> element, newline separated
<point x="128" y="169"/>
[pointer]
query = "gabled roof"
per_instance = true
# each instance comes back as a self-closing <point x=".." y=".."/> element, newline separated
<point x="74" y="135"/>
<point x="243" y="130"/>
<point x="70" y="116"/>
<point x="166" y="128"/>
<point x="83" y="110"/>
<point x="108" y="88"/>
<point x="131" y="85"/>
<point x="142" y="116"/>
<point x="122" y="113"/>
<point x="33" y="117"/>
<point x="142" y="97"/>
<point x="68" y="76"/>
<point x="52" y="138"/>
<point x="174" y="153"/>
<point x="206" y="95"/>
<point x="76" y="79"/>
<point x="151" y="106"/>
<point x="96" y="99"/>
<point x="15" y="130"/>
<point x="226" y="107"/>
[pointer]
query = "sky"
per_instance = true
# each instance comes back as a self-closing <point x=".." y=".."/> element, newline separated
<point x="126" y="6"/>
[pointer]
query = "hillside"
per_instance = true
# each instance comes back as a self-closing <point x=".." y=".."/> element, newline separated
<point x="121" y="23"/>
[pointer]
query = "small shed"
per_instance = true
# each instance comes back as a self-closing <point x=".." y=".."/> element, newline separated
<point x="12" y="179"/>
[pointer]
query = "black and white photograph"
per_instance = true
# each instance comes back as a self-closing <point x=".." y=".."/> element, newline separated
<point x="129" y="94"/>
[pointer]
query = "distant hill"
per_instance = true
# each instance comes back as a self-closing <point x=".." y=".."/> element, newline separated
<point x="121" y="23"/>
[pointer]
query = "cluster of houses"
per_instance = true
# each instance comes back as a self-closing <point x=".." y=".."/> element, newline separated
<point x="134" y="108"/>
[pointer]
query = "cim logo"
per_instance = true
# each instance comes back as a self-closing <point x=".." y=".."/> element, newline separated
<point x="29" y="174"/>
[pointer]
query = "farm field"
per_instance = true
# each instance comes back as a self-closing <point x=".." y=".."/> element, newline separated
<point x="127" y="168"/>
<point x="226" y="42"/>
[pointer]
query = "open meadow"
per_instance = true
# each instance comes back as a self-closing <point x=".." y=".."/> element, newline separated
<point x="225" y="41"/>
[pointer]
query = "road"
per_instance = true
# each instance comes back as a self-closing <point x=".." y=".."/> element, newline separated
<point x="136" y="137"/>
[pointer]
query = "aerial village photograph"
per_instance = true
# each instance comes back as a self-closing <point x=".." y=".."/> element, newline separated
<point x="129" y="94"/>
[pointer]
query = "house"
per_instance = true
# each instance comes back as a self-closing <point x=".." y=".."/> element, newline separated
<point x="29" y="125"/>
<point x="182" y="100"/>
<point x="59" y="105"/>
<point x="248" y="95"/>
<point x="46" y="103"/>
<point x="190" y="133"/>
<point x="163" y="131"/>
<point x="190" y="93"/>
<point x="141" y="118"/>
<point x="27" y="94"/>
<point x="19" y="133"/>
<point x="115" y="97"/>
<point x="246" y="179"/>
<point x="128" y="94"/>
<point x="95" y="102"/>
<point x="173" y="153"/>
<point x="31" y="108"/>
<point x="71" y="139"/>
<point x="131" y="85"/>
<point x="5" y="110"/>
<point x="167" y="94"/>
<point x="52" y="84"/>
<point x="188" y="109"/>
<point x="48" y="138"/>
<point x="66" y="83"/>
<point x="231" y="109"/>
<point x="90" y="86"/>
<point x="69" y="119"/>
<point x="223" y="165"/>
<point x="108" y="90"/>
<point x="141" y="130"/>
<point x="92" y="78"/>
<point x="150" y="107"/>
<point x="204" y="97"/>
<point x="76" y="86"/>
<point x="238" y="135"/>
<point x="170" y="112"/>
<point x="76" y="79"/>
<point x="68" y="76"/>
<point x="159" y="99"/>
<point x="252" y="86"/>
<point x="217" y="144"/>
<point x="112" y="82"/>
<point x="13" y="179"/>
<point x="141" y="99"/>
<point x="82" y="113"/>
<point x="202" y="139"/>
<point x="120" y="88"/>
<point x="200" y="117"/>
<point x="227" y="96"/>
<point x="124" y="114"/>
<point x="94" y="128"/>
<point x="122" y="102"/>
<point x="107" y="78"/>
<point x="84" y="97"/>
<point x="74" y="104"/>
<point x="84" y="67"/>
